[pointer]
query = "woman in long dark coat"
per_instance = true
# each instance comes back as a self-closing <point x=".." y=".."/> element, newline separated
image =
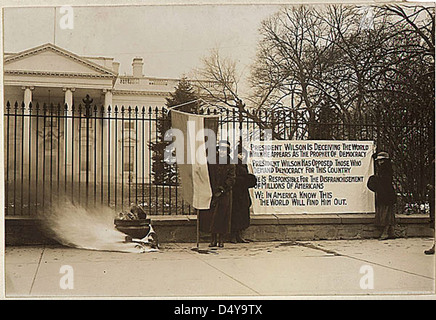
<point x="241" y="200"/>
<point x="385" y="198"/>
<point x="217" y="219"/>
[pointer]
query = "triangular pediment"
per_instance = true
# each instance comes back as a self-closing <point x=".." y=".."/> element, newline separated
<point x="52" y="59"/>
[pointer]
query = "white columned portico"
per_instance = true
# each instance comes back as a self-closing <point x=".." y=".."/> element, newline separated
<point x="68" y="130"/>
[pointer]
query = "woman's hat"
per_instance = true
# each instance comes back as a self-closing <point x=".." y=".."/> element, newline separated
<point x="223" y="144"/>
<point x="382" y="155"/>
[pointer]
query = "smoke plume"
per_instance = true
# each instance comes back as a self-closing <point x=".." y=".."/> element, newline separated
<point x="88" y="228"/>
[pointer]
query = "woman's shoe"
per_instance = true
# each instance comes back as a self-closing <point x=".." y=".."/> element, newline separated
<point x="221" y="245"/>
<point x="384" y="237"/>
<point x="429" y="251"/>
<point x="212" y="244"/>
<point x="385" y="234"/>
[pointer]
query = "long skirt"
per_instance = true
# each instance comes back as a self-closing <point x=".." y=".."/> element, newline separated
<point x="217" y="219"/>
<point x="384" y="215"/>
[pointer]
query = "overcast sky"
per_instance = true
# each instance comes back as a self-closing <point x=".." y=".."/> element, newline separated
<point x="171" y="39"/>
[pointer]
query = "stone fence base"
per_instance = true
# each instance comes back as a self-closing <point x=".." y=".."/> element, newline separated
<point x="268" y="227"/>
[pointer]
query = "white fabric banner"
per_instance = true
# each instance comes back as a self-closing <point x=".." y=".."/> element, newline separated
<point x="194" y="175"/>
<point x="311" y="176"/>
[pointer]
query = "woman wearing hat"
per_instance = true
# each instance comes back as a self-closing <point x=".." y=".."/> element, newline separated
<point x="381" y="184"/>
<point x="241" y="198"/>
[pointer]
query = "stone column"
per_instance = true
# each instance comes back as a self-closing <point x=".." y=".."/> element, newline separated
<point x="68" y="133"/>
<point x="27" y="95"/>
<point x="108" y="152"/>
<point x="69" y="96"/>
<point x="107" y="98"/>
<point x="27" y="98"/>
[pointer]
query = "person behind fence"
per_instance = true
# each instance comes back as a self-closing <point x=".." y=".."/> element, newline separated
<point x="431" y="199"/>
<point x="241" y="199"/>
<point x="385" y="198"/>
<point x="217" y="219"/>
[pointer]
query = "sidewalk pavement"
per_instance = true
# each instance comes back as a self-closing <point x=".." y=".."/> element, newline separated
<point x="254" y="270"/>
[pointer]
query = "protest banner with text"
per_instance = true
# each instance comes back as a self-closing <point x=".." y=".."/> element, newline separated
<point x="311" y="176"/>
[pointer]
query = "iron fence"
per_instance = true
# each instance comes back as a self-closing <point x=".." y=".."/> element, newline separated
<point x="96" y="156"/>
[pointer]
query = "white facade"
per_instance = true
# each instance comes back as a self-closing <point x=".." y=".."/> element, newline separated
<point x="48" y="75"/>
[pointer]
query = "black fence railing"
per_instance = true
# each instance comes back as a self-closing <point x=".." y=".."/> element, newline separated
<point x="110" y="156"/>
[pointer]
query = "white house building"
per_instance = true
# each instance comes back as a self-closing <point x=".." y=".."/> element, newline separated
<point x="72" y="148"/>
<point x="50" y="74"/>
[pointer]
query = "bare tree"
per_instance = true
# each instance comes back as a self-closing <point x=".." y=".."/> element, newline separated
<point x="218" y="82"/>
<point x="342" y="65"/>
<point x="294" y="58"/>
<point x="320" y="63"/>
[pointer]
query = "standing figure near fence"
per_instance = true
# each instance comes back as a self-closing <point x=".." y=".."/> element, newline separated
<point x="431" y="200"/>
<point x="385" y="198"/>
<point x="217" y="219"/>
<point x="241" y="199"/>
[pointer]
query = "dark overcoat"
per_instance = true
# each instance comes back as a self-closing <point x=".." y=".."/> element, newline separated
<point x="217" y="219"/>
<point x="382" y="184"/>
<point x="241" y="198"/>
